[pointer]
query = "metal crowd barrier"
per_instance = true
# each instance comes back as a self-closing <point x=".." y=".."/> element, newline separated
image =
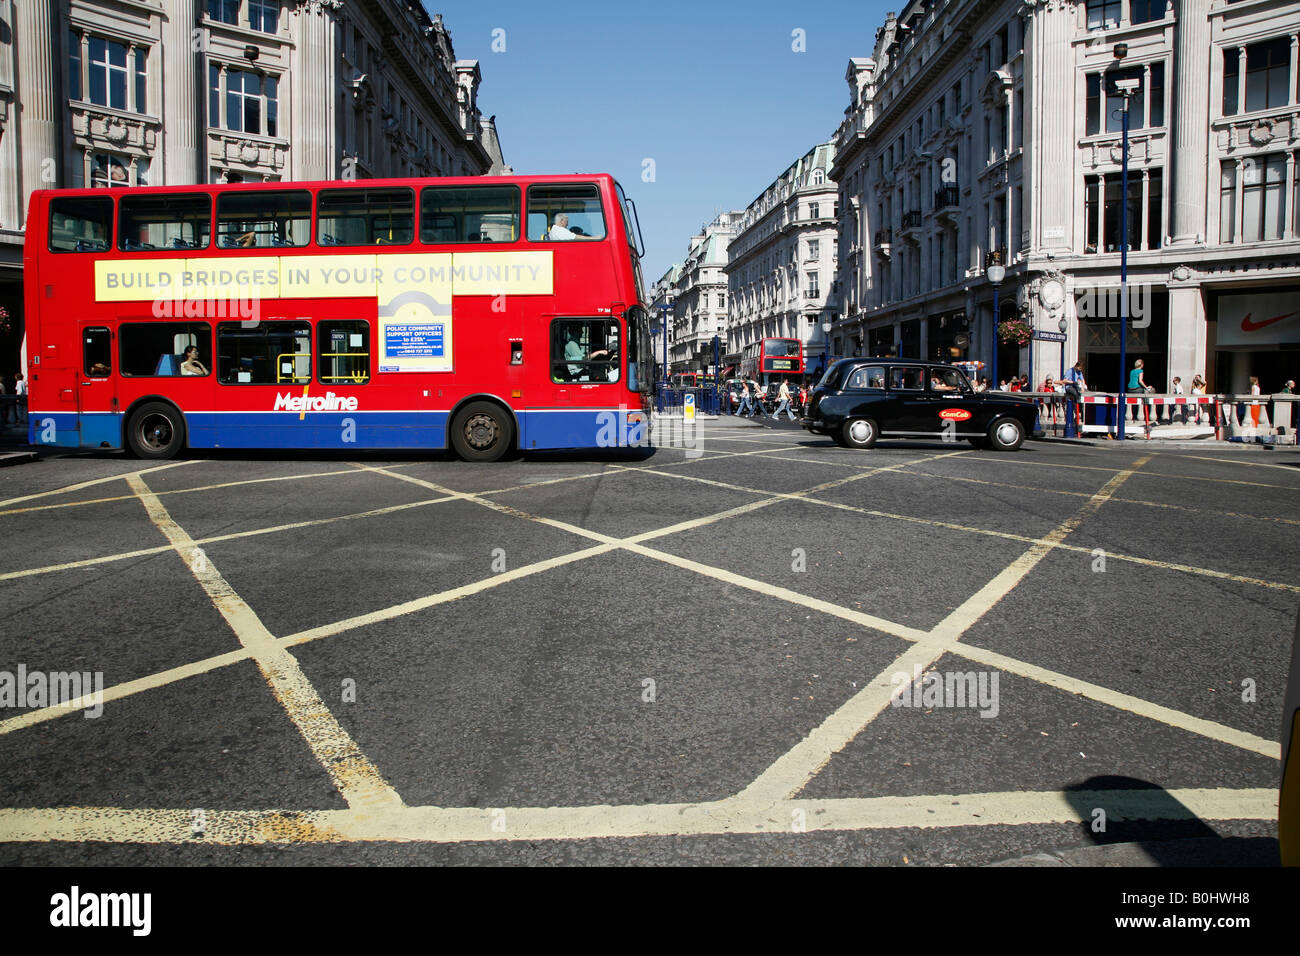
<point x="671" y="401"/>
<point x="1266" y="418"/>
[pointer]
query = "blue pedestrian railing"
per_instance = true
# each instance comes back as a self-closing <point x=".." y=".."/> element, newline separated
<point x="670" y="401"/>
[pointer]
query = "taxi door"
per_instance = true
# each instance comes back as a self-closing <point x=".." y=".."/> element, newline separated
<point x="910" y="411"/>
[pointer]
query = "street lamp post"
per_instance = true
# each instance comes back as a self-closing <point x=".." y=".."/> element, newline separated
<point x="1125" y="88"/>
<point x="995" y="274"/>
<point x="826" y="346"/>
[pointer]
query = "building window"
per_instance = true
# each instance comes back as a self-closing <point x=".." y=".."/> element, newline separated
<point x="1268" y="69"/>
<point x="1103" y="14"/>
<point x="248" y="97"/>
<point x="108" y="73"/>
<point x="1263" y="205"/>
<point x="243" y="102"/>
<point x="1228" y="201"/>
<point x="224" y="11"/>
<point x="1103" y="99"/>
<point x="74" y="65"/>
<point x="813" y="210"/>
<point x="109" y="170"/>
<point x="1155" y="209"/>
<point x="141" y="87"/>
<point x="812" y="285"/>
<point x="264" y="15"/>
<point x="814" y="249"/>
<point x="1102" y="197"/>
<point x="1144" y="11"/>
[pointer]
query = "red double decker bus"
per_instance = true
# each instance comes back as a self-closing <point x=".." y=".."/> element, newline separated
<point x="772" y="359"/>
<point x="484" y="314"/>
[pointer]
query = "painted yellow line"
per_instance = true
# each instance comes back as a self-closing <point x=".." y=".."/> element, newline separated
<point x="356" y="778"/>
<point x="793" y="770"/>
<point x="275" y="529"/>
<point x="1178" y="719"/>
<point x="1119" y="501"/>
<point x="442" y="597"/>
<point x="794" y="818"/>
<point x="1010" y="460"/>
<point x="1289" y="469"/>
<point x="66" y="489"/>
<point x="182" y="491"/>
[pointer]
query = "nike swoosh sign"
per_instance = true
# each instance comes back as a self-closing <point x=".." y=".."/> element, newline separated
<point x="1249" y="326"/>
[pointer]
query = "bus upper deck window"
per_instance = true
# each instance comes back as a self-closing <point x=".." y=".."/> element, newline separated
<point x="579" y="205"/>
<point x="257" y="219"/>
<point x="365" y="217"/>
<point x="469" y="214"/>
<point x="81" y="224"/>
<point x="164" y="222"/>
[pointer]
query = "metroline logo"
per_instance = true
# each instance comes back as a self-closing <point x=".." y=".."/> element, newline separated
<point x="329" y="402"/>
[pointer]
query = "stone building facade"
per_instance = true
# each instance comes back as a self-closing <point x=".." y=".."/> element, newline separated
<point x="698" y="293"/>
<point x="984" y="131"/>
<point x="782" y="260"/>
<point x="161" y="92"/>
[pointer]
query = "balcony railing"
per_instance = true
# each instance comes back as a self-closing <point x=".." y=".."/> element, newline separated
<point x="884" y="237"/>
<point x="912" y="219"/>
<point x="946" y="196"/>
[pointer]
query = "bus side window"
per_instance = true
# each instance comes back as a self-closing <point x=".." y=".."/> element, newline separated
<point x="584" y="350"/>
<point x="344" y="356"/>
<point x="469" y="214"/>
<point x="579" y="203"/>
<point x="365" y="217"/>
<point x="259" y="219"/>
<point x="80" y="225"/>
<point x="97" y="352"/>
<point x="158" y="348"/>
<point x="271" y="353"/>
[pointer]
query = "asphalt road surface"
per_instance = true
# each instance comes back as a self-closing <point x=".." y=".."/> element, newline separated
<point x="761" y="648"/>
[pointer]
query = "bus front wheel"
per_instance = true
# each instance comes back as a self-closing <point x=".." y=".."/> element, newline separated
<point x="156" y="431"/>
<point x="482" y="431"/>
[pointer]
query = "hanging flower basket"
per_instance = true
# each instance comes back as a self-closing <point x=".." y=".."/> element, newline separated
<point x="5" y="327"/>
<point x="1015" y="331"/>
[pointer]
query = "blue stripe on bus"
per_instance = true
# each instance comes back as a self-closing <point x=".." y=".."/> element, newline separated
<point x="539" y="429"/>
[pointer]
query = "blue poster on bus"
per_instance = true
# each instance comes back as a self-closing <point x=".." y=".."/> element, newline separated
<point x="413" y="341"/>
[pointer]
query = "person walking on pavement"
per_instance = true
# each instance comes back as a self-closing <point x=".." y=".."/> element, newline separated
<point x="744" y="400"/>
<point x="783" y="401"/>
<point x="1178" y="390"/>
<point x="1136" y="384"/>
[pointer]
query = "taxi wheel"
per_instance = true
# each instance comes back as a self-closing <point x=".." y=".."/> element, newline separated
<point x="482" y="431"/>
<point x="860" y="433"/>
<point x="156" y="431"/>
<point x="1006" y="434"/>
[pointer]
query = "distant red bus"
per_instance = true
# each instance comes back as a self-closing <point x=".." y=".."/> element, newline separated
<point x="396" y="313"/>
<point x="771" y="359"/>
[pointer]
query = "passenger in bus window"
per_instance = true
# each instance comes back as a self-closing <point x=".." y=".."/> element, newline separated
<point x="192" y="365"/>
<point x="560" y="230"/>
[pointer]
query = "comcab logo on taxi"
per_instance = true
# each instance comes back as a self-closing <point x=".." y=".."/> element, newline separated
<point x="954" y="414"/>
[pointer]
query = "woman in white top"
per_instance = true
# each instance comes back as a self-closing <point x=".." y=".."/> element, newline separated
<point x="1198" y="388"/>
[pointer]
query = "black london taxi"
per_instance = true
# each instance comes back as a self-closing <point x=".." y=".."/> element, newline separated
<point x="862" y="399"/>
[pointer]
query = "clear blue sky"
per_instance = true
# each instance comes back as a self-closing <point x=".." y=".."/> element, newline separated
<point x="712" y="92"/>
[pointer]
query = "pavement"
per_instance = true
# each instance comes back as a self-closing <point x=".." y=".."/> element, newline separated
<point x="687" y="655"/>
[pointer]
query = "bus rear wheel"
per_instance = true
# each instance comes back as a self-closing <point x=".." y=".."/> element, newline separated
<point x="156" y="431"/>
<point x="482" y="431"/>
